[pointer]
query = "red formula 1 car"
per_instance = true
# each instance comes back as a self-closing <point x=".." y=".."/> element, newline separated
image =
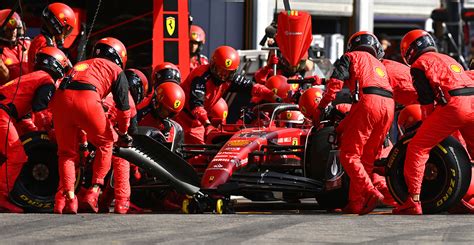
<point x="267" y="157"/>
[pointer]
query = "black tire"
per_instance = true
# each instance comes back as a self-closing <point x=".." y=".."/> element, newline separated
<point x="447" y="175"/>
<point x="319" y="167"/>
<point x="37" y="183"/>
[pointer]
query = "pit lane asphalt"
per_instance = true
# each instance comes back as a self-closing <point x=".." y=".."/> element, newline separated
<point x="276" y="227"/>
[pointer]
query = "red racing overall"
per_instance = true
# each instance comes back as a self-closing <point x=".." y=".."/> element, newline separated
<point x="369" y="118"/>
<point x="40" y="41"/>
<point x="78" y="105"/>
<point x="399" y="75"/>
<point x="36" y="91"/>
<point x="434" y="75"/>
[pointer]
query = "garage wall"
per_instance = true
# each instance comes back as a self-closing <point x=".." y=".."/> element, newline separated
<point x="222" y="20"/>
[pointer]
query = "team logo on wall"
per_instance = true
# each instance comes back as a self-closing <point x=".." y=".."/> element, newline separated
<point x="170" y="25"/>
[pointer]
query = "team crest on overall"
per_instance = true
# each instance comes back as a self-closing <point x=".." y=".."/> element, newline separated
<point x="170" y="25"/>
<point x="228" y="63"/>
<point x="455" y="68"/>
<point x="379" y="72"/>
<point x="275" y="90"/>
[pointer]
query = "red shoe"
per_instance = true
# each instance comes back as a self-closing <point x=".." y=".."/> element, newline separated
<point x="410" y="207"/>
<point x="71" y="206"/>
<point x="121" y="205"/>
<point x="7" y="207"/>
<point x="89" y="202"/>
<point x="372" y="199"/>
<point x="59" y="202"/>
<point x="134" y="209"/>
<point x="353" y="207"/>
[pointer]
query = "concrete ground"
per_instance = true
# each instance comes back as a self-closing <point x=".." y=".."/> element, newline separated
<point x="283" y="227"/>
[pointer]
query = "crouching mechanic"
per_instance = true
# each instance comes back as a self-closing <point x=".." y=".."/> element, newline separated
<point x="33" y="96"/>
<point x="437" y="78"/>
<point x="369" y="118"/>
<point x="77" y="105"/>
<point x="206" y="85"/>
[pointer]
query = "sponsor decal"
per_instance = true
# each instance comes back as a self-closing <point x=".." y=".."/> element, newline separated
<point x="81" y="67"/>
<point x="455" y="68"/>
<point x="238" y="142"/>
<point x="379" y="71"/>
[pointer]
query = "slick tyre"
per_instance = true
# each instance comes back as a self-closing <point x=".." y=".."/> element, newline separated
<point x="37" y="183"/>
<point x="446" y="180"/>
<point x="322" y="164"/>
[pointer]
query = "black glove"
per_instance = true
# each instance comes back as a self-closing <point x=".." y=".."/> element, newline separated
<point x="278" y="100"/>
<point x="125" y="140"/>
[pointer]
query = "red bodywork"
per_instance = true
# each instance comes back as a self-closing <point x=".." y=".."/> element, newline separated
<point x="294" y="35"/>
<point x="234" y="155"/>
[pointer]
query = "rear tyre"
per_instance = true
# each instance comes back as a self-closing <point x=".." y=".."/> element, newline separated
<point x="446" y="180"/>
<point x="37" y="183"/>
<point x="322" y="163"/>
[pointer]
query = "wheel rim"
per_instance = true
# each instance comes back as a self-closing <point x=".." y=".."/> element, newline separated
<point x="435" y="179"/>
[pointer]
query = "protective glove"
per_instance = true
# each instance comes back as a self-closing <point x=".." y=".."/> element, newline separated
<point x="272" y="60"/>
<point x="125" y="140"/>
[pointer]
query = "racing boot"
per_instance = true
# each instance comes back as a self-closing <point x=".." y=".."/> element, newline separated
<point x="121" y="205"/>
<point x="71" y="206"/>
<point x="409" y="207"/>
<point x="89" y="202"/>
<point x="59" y="202"/>
<point x="7" y="207"/>
<point x="372" y="199"/>
<point x="381" y="185"/>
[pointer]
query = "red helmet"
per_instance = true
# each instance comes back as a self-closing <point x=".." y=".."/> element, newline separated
<point x="309" y="101"/>
<point x="111" y="49"/>
<point x="59" y="19"/>
<point x="166" y="72"/>
<point x="219" y="111"/>
<point x="170" y="99"/>
<point x="137" y="84"/>
<point x="13" y="23"/>
<point x="279" y="85"/>
<point x="365" y="41"/>
<point x="224" y="63"/>
<point x="414" y="44"/>
<point x="409" y="117"/>
<point x="196" y="36"/>
<point x="290" y="117"/>
<point x="53" y="61"/>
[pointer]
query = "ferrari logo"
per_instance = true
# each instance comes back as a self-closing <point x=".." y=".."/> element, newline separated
<point x="288" y="115"/>
<point x="177" y="103"/>
<point x="194" y="35"/>
<point x="455" y="68"/>
<point x="295" y="86"/>
<point x="294" y="141"/>
<point x="228" y="63"/>
<point x="170" y="25"/>
<point x="224" y="115"/>
<point x="12" y="22"/>
<point x="379" y="72"/>
<point x="211" y="178"/>
<point x="275" y="90"/>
